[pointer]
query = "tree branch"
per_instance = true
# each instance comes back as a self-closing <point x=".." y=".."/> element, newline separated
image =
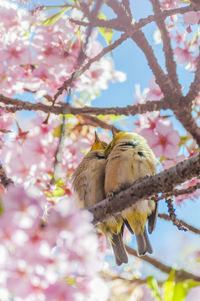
<point x="195" y="87"/>
<point x="167" y="49"/>
<point x="177" y="192"/>
<point x="182" y="111"/>
<point x="94" y="121"/>
<point x="180" y="275"/>
<point x="191" y="228"/>
<point x="161" y="78"/>
<point x="171" y="210"/>
<point x="149" y="106"/>
<point x="80" y="71"/>
<point x="146" y="188"/>
<point x="113" y="23"/>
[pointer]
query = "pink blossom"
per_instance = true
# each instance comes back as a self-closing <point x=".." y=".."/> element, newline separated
<point x="179" y="37"/>
<point x="173" y="161"/>
<point x="193" y="196"/>
<point x="183" y="55"/>
<point x="154" y="91"/>
<point x="163" y="139"/>
<point x="191" y="17"/>
<point x="169" y="4"/>
<point x="17" y="200"/>
<point x="16" y="53"/>
<point x="65" y="272"/>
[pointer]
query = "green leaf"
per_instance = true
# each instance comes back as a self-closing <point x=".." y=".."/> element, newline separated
<point x="182" y="289"/>
<point x="173" y="291"/>
<point x="153" y="285"/>
<point x="1" y="208"/>
<point x="53" y="19"/>
<point x="184" y="139"/>
<point x="179" y="293"/>
<point x="52" y="7"/>
<point x="107" y="33"/>
<point x="168" y="287"/>
<point x="57" y="131"/>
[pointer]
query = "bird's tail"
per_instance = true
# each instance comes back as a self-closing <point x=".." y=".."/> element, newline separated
<point x="143" y="244"/>
<point x="119" y="249"/>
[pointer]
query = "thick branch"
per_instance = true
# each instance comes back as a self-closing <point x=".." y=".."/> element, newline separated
<point x="180" y="275"/>
<point x="147" y="187"/>
<point x="184" y="115"/>
<point x="195" y="87"/>
<point x="161" y="78"/>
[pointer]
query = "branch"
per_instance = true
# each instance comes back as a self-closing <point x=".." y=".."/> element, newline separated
<point x="182" y="111"/>
<point x="149" y="106"/>
<point x="166" y="217"/>
<point x="146" y="188"/>
<point x="177" y="192"/>
<point x="169" y="57"/>
<point x="180" y="275"/>
<point x="113" y="23"/>
<point x="94" y="121"/>
<point x="161" y="78"/>
<point x="176" y="222"/>
<point x="5" y="181"/>
<point x="133" y="281"/>
<point x="80" y="71"/>
<point x="194" y="87"/>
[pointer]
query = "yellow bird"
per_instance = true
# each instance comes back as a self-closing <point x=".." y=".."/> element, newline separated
<point x="129" y="158"/>
<point x="88" y="184"/>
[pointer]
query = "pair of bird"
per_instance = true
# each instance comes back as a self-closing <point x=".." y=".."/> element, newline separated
<point x="108" y="169"/>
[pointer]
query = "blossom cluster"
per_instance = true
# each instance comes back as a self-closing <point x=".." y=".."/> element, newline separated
<point x="47" y="258"/>
<point x="40" y="58"/>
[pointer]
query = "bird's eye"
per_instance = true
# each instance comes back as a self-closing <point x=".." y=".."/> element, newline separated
<point x="141" y="154"/>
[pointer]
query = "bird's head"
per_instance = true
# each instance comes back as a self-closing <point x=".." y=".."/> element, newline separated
<point x="125" y="138"/>
<point x="98" y="144"/>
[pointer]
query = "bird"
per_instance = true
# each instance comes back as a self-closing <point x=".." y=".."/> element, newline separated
<point x="88" y="184"/>
<point x="130" y="158"/>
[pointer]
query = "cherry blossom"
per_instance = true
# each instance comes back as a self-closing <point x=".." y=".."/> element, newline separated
<point x="184" y="55"/>
<point x="153" y="92"/>
<point x="169" y="4"/>
<point x="191" y="17"/>
<point x="162" y="138"/>
<point x="43" y="57"/>
<point x="51" y="257"/>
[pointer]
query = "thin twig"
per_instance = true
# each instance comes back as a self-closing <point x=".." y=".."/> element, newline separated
<point x="180" y="275"/>
<point x="114" y="24"/>
<point x="80" y="71"/>
<point x="191" y="228"/>
<point x="178" y="192"/>
<point x="176" y="222"/>
<point x="91" y="120"/>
